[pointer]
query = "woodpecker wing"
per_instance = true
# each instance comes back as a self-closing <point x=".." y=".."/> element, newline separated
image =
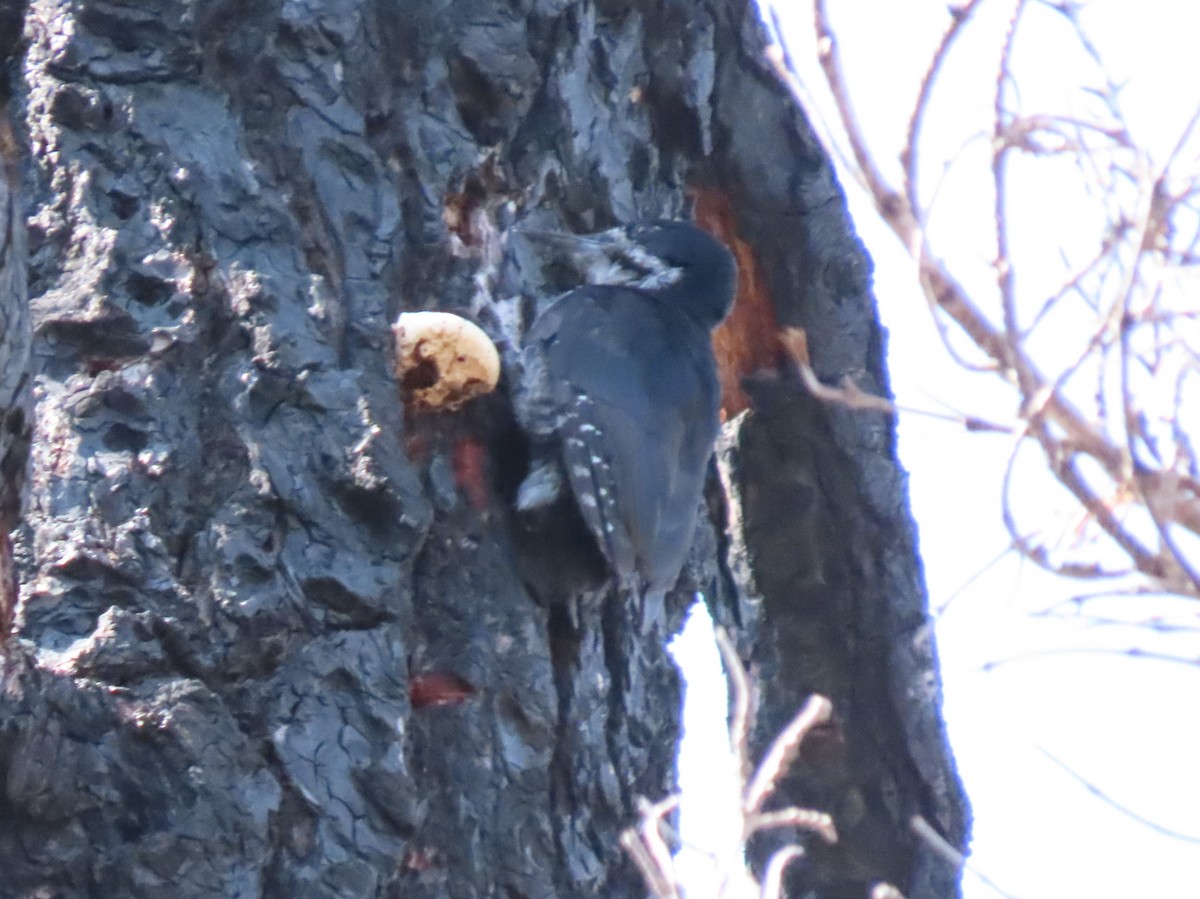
<point x="634" y="387"/>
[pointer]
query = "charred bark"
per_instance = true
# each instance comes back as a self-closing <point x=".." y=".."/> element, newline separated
<point x="15" y="422"/>
<point x="272" y="635"/>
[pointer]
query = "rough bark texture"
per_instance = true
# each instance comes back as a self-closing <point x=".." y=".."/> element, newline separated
<point x="15" y="424"/>
<point x="273" y="637"/>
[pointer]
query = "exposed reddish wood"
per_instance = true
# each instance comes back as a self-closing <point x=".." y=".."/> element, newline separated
<point x="747" y="342"/>
<point x="470" y="471"/>
<point x="438" y="688"/>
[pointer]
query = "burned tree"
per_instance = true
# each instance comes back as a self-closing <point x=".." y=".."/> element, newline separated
<point x="274" y="634"/>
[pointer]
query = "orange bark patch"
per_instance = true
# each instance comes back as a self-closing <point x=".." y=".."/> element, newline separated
<point x="747" y="341"/>
<point x="437" y="688"/>
<point x="470" y="471"/>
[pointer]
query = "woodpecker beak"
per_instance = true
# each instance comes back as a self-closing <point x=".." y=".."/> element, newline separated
<point x="598" y="247"/>
<point x="609" y="257"/>
<point x="565" y="240"/>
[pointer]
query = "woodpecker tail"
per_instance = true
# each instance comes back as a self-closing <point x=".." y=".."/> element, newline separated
<point x="594" y="486"/>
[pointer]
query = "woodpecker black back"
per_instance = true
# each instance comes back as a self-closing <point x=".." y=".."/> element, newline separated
<point x="621" y="395"/>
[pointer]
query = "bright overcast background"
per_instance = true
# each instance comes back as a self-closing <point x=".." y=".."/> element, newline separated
<point x="1036" y="702"/>
<point x="1039" y="702"/>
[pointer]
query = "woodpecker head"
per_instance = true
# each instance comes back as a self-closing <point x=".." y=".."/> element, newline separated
<point x="677" y="261"/>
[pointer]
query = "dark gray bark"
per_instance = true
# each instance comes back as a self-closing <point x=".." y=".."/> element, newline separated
<point x="15" y="423"/>
<point x="273" y="636"/>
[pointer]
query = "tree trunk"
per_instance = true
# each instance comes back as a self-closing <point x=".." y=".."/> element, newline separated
<point x="273" y="634"/>
<point x="14" y="367"/>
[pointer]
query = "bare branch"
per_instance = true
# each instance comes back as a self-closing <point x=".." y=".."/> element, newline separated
<point x="1002" y="142"/>
<point x="819" y="823"/>
<point x="1124" y="810"/>
<point x="740" y="700"/>
<point x="1121" y="283"/>
<point x="645" y="843"/>
<point x="782" y="752"/>
<point x="772" y="884"/>
<point x="908" y="156"/>
<point x="649" y="851"/>
<point x="889" y="203"/>
<point x="926" y="833"/>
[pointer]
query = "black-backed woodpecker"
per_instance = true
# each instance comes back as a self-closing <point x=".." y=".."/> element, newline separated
<point x="620" y="392"/>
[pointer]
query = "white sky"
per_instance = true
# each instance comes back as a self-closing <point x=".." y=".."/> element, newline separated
<point x="1129" y="725"/>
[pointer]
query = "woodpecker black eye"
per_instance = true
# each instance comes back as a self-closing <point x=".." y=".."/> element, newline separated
<point x="620" y="393"/>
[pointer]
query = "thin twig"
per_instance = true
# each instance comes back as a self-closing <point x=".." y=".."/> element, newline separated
<point x="772" y="883"/>
<point x="782" y="752"/>
<point x="740" y="693"/>
<point x="908" y="156"/>
<point x="1065" y="434"/>
<point x="649" y="851"/>
<point x="926" y="833"/>
<point x="1124" y="810"/>
<point x="820" y="823"/>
